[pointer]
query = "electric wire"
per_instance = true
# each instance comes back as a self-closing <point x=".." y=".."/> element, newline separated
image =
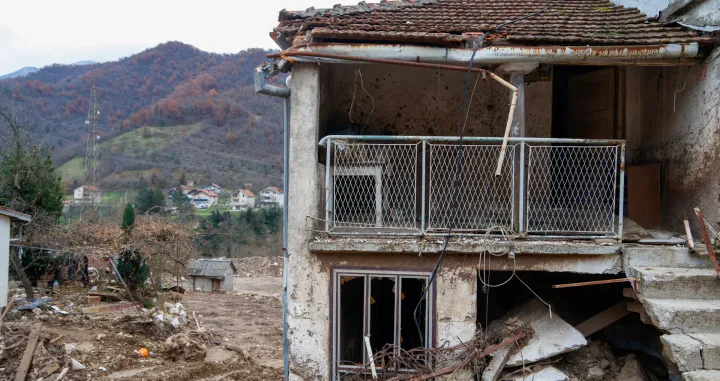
<point x="458" y="165"/>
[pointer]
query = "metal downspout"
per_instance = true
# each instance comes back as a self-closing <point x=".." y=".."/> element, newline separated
<point x="283" y="92"/>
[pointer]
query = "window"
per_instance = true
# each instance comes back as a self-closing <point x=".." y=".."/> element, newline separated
<point x="381" y="304"/>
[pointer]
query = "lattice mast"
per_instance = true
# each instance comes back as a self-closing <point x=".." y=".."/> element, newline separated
<point x="91" y="149"/>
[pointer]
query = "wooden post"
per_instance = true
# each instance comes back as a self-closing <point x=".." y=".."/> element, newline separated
<point x="708" y="242"/>
<point x="517" y="130"/>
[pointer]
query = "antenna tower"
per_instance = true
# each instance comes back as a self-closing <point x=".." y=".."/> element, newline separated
<point x="91" y="150"/>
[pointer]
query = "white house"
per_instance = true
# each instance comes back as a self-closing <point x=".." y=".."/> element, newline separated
<point x="215" y="188"/>
<point x="7" y="216"/>
<point x="202" y="199"/>
<point x="271" y="196"/>
<point x="87" y="194"/>
<point x="242" y="199"/>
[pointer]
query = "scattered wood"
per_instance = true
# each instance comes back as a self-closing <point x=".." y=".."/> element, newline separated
<point x="7" y="308"/>
<point x="630" y="293"/>
<point x="496" y="365"/>
<point x="593" y="283"/>
<point x="197" y="324"/>
<point x="243" y="353"/>
<point x="638" y="308"/>
<point x="688" y="234"/>
<point x="708" y="242"/>
<point x="603" y="319"/>
<point x="62" y="374"/>
<point x="53" y="341"/>
<point x="29" y="352"/>
<point x="110" y="295"/>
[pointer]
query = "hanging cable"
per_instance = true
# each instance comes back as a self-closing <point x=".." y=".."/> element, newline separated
<point x="458" y="164"/>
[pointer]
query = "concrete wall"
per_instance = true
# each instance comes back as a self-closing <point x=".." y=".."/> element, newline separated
<point x="415" y="101"/>
<point x="673" y="118"/>
<point x="4" y="258"/>
<point x="309" y="308"/>
<point x="205" y="284"/>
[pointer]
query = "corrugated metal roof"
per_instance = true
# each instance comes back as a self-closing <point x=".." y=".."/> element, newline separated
<point x="452" y="22"/>
<point x="210" y="268"/>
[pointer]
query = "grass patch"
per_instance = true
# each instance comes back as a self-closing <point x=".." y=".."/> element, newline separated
<point x="73" y="169"/>
<point x="142" y="141"/>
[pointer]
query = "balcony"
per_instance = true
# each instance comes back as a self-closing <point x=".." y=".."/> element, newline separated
<point x="403" y="186"/>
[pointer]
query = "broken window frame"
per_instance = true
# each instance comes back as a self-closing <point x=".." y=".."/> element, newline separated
<point x="339" y="369"/>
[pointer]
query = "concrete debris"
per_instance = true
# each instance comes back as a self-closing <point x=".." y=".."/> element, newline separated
<point x="553" y="336"/>
<point x="710" y="349"/>
<point x="181" y="347"/>
<point x="632" y="371"/>
<point x="69" y="348"/>
<point x="595" y="374"/>
<point x="548" y="373"/>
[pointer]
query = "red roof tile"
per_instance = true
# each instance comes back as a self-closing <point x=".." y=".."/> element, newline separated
<point x="452" y="22"/>
<point x="91" y="188"/>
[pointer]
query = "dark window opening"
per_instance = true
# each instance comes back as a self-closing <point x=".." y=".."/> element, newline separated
<point x="381" y="306"/>
<point x="352" y="291"/>
<point x="382" y="313"/>
<point x="412" y="289"/>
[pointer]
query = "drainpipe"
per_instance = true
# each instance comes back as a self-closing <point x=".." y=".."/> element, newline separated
<point x="263" y="72"/>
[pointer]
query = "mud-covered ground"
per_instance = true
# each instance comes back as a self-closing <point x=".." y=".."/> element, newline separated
<point x="248" y="320"/>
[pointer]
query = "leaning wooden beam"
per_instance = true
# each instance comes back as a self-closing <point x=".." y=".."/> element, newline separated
<point x="603" y="319"/>
<point x="7" y="308"/>
<point x="27" y="357"/>
<point x="708" y="243"/>
<point x="593" y="283"/>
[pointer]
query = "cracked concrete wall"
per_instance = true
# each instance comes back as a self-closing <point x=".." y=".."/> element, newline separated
<point x="673" y="118"/>
<point x="416" y="101"/>
<point x="308" y="299"/>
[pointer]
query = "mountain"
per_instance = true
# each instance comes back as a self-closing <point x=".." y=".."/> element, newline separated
<point x="85" y="63"/>
<point x="169" y="111"/>
<point x="20" y="73"/>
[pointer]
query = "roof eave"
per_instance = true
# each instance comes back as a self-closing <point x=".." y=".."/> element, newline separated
<point x="661" y="54"/>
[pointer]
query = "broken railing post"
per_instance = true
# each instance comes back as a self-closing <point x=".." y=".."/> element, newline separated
<point x="370" y="357"/>
<point x="708" y="242"/>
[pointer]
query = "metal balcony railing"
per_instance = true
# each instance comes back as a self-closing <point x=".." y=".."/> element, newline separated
<point x="402" y="185"/>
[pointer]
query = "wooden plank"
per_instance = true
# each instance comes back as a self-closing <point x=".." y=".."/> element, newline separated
<point x="29" y="352"/>
<point x="603" y="319"/>
<point x="630" y="293"/>
<point x="636" y="307"/>
<point x="593" y="283"/>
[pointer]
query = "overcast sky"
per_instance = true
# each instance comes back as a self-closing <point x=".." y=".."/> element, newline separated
<point x="42" y="32"/>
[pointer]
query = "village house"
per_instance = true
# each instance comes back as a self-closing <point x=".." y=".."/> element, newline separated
<point x="7" y="218"/>
<point x="215" y="188"/>
<point x="202" y="199"/>
<point x="87" y="194"/>
<point x="271" y="196"/>
<point x="591" y="131"/>
<point x="211" y="275"/>
<point x="242" y="199"/>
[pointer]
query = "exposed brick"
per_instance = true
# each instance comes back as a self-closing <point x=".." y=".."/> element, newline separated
<point x="93" y="299"/>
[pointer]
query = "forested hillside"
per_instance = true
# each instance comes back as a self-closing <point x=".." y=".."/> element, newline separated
<point x="165" y="112"/>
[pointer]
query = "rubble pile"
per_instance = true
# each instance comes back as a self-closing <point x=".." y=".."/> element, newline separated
<point x="259" y="266"/>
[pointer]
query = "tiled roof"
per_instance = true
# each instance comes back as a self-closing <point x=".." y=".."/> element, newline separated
<point x="15" y="215"/>
<point x="275" y="189"/>
<point x="216" y="186"/>
<point x="452" y="22"/>
<point x="91" y="188"/>
<point x="210" y="268"/>
<point x="246" y="192"/>
<point x="207" y="192"/>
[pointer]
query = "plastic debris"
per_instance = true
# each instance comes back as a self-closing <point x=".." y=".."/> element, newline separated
<point x="143" y="352"/>
<point x="76" y="365"/>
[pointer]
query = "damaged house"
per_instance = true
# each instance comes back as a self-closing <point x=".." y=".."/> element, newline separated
<point x="429" y="200"/>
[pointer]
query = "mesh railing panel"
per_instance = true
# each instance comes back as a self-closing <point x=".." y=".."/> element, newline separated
<point x="571" y="189"/>
<point x="484" y="200"/>
<point x="374" y="186"/>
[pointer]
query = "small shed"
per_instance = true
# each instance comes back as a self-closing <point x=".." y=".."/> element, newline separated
<point x="7" y="217"/>
<point x="211" y="275"/>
